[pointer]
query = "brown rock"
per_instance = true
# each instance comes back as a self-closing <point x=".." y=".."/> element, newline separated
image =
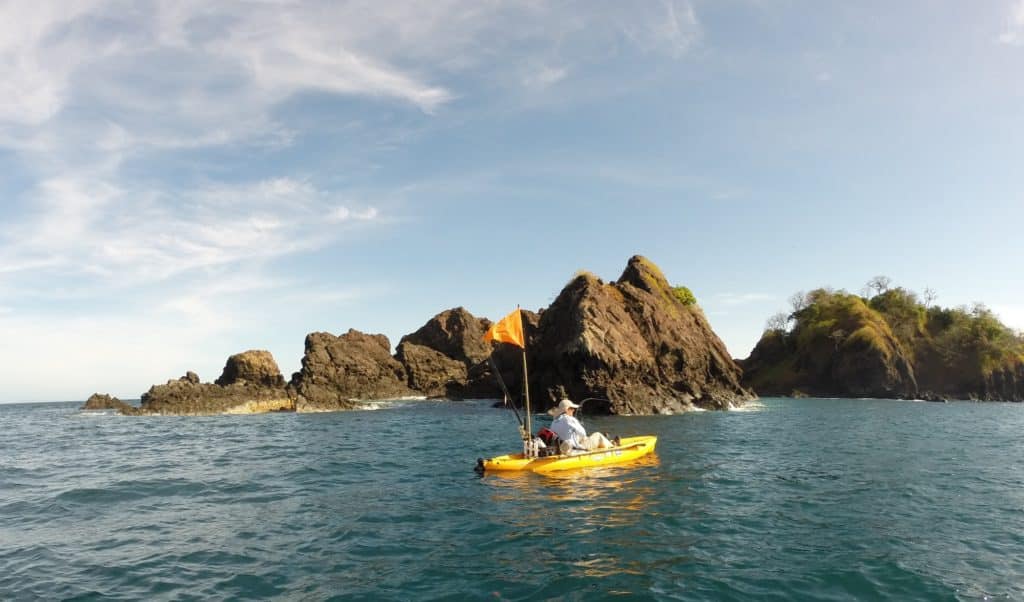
<point x="431" y="372"/>
<point x="635" y="344"/>
<point x="187" y="396"/>
<point x="105" y="402"/>
<point x="254" y="366"/>
<point x="456" y="334"/>
<point x="438" y="356"/>
<point x="339" y="371"/>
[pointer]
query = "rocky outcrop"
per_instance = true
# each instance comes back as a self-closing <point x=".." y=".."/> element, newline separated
<point x="890" y="346"/>
<point x="187" y="396"/>
<point x="639" y="345"/>
<point x="438" y="357"/>
<point x="838" y="347"/>
<point x="99" y="401"/>
<point x="339" y="371"/>
<point x="256" y="367"/>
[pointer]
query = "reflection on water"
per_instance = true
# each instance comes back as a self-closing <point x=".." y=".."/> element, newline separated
<point x="596" y="505"/>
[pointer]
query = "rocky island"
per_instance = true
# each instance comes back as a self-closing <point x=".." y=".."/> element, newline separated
<point x="891" y="344"/>
<point x="637" y="345"/>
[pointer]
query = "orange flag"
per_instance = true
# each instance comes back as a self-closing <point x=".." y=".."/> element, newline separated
<point x="508" y="330"/>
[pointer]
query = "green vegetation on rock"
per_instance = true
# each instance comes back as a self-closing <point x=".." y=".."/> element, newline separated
<point x="890" y="344"/>
<point x="684" y="295"/>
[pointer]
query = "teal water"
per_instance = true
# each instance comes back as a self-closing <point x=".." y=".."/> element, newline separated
<point x="792" y="499"/>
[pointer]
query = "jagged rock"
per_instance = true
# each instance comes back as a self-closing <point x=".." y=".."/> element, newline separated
<point x="99" y="401"/>
<point x="437" y="357"/>
<point x="640" y="345"/>
<point x="251" y="383"/>
<point x="431" y="372"/>
<point x="456" y="334"/>
<point x="338" y="371"/>
<point x="255" y="366"/>
<point x="187" y="396"/>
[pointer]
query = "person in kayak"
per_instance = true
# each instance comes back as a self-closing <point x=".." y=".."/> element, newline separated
<point x="571" y="431"/>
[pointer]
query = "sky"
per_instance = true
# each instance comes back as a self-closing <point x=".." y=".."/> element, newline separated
<point x="185" y="180"/>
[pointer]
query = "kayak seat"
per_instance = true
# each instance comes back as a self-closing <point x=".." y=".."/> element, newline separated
<point x="551" y="440"/>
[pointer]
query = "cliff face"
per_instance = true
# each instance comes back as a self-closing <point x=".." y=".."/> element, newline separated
<point x="640" y="344"/>
<point x="890" y="346"/>
<point x="437" y="357"/>
<point x="338" y="372"/>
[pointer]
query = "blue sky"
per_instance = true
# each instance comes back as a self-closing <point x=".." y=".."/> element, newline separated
<point x="180" y="181"/>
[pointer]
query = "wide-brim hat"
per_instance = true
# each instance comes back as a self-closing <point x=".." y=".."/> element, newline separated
<point x="562" y="406"/>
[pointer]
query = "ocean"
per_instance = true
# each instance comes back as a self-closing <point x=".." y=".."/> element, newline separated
<point x="790" y="499"/>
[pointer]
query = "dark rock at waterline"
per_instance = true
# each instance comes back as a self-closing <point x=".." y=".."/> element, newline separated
<point x="437" y="357"/>
<point x="189" y="397"/>
<point x="99" y="401"/>
<point x="638" y="345"/>
<point x="339" y="371"/>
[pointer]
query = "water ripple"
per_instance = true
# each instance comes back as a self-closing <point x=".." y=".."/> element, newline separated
<point x="800" y="499"/>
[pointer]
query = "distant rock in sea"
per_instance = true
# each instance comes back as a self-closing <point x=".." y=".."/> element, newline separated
<point x="251" y="383"/>
<point x="99" y="401"/>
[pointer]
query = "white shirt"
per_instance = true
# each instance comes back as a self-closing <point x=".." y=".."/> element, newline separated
<point x="569" y="429"/>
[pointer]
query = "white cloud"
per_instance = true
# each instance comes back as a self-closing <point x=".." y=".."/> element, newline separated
<point x="110" y="236"/>
<point x="1014" y="33"/>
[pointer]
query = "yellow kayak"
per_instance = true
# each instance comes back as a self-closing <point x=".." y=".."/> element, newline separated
<point x="629" y="449"/>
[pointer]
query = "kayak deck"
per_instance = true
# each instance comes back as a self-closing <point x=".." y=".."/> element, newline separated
<point x="629" y="449"/>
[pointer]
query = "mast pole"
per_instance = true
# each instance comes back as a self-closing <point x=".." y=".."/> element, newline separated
<point x="528" y="435"/>
<point x="526" y="391"/>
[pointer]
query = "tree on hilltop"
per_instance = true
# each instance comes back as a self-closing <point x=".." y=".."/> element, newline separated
<point x="879" y="284"/>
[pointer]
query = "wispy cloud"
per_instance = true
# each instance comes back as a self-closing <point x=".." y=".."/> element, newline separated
<point x="97" y="231"/>
<point x="1013" y="35"/>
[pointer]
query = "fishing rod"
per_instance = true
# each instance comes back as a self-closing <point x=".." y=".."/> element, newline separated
<point x="592" y="399"/>
<point x="504" y="389"/>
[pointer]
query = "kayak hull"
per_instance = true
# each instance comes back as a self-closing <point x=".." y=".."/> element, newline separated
<point x="629" y="449"/>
